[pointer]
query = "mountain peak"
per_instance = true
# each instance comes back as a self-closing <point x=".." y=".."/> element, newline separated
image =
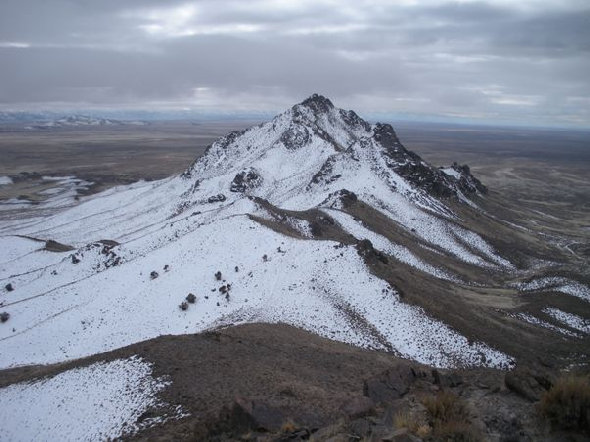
<point x="318" y="103"/>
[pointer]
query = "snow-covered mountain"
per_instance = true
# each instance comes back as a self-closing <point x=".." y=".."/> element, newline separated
<point x="314" y="218"/>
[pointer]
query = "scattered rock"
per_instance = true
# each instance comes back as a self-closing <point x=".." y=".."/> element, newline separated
<point x="190" y="298"/>
<point x="4" y="316"/>
<point x="216" y="198"/>
<point x="154" y="274"/>
<point x="389" y="385"/>
<point x="75" y="259"/>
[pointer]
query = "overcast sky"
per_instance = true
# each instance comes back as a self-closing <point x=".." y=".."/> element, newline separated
<point x="524" y="61"/>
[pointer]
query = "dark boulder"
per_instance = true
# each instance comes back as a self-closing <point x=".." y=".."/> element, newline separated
<point x="389" y="385"/>
<point x="190" y="298"/>
<point x="367" y="251"/>
<point x="4" y="316"/>
<point x="9" y="287"/>
<point x="216" y="198"/>
<point x="527" y="383"/>
<point x="245" y="180"/>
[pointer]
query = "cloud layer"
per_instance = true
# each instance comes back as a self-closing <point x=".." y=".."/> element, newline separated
<point x="523" y="62"/>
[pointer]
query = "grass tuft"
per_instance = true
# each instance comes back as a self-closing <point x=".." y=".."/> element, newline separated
<point x="567" y="403"/>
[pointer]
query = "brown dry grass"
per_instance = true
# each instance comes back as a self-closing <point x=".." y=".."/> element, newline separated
<point x="567" y="403"/>
<point x="449" y="418"/>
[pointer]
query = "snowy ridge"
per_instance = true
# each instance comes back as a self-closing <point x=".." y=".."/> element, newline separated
<point x="140" y="249"/>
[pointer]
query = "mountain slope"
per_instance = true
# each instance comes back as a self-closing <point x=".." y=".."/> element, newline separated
<point x="317" y="219"/>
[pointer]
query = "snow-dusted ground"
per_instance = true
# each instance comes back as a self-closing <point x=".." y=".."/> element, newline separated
<point x="569" y="319"/>
<point x="526" y="317"/>
<point x="310" y="284"/>
<point x="102" y="401"/>
<point x="399" y="252"/>
<point x="557" y="284"/>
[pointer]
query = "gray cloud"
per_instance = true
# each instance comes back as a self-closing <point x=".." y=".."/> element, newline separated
<point x="494" y="60"/>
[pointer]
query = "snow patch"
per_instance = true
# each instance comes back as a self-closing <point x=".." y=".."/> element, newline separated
<point x="569" y="319"/>
<point x="98" y="402"/>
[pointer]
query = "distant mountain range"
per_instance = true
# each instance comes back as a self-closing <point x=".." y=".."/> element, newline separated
<point x="82" y="121"/>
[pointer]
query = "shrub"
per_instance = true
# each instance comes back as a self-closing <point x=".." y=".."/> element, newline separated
<point x="183" y="305"/>
<point x="4" y="316"/>
<point x="444" y="407"/>
<point x="567" y="403"/>
<point x="405" y="419"/>
<point x="450" y="418"/>
<point x="191" y="298"/>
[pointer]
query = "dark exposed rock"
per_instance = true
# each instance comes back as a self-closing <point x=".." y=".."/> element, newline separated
<point x="75" y="259"/>
<point x="318" y="104"/>
<point x="4" y="316"/>
<point x="389" y="385"/>
<point x="54" y="246"/>
<point x="257" y="415"/>
<point x="154" y="274"/>
<point x="446" y="380"/>
<point x="183" y="305"/>
<point x="218" y="276"/>
<point x="366" y="250"/>
<point x="9" y="287"/>
<point x="347" y="198"/>
<point x="190" y="298"/>
<point x="245" y="180"/>
<point x="527" y="383"/>
<point x="325" y="172"/>
<point x="216" y="198"/>
<point x="353" y="120"/>
<point x="295" y="137"/>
